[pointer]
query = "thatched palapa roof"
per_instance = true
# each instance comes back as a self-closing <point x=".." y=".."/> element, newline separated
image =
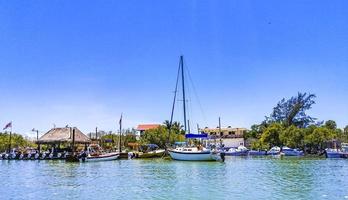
<point x="60" y="135"/>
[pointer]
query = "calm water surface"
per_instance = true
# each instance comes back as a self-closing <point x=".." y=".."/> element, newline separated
<point x="237" y="178"/>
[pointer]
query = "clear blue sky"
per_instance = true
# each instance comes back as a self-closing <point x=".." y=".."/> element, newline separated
<point x="82" y="63"/>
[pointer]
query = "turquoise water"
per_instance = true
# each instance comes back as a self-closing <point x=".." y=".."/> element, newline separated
<point x="237" y="178"/>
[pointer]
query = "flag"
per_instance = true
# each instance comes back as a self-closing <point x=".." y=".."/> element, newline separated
<point x="9" y="125"/>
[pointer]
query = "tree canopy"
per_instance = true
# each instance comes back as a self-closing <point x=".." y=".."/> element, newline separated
<point x="293" y="111"/>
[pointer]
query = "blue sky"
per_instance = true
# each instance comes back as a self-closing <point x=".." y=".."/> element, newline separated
<point x="82" y="63"/>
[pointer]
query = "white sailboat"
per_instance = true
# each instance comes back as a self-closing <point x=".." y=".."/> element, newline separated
<point x="190" y="153"/>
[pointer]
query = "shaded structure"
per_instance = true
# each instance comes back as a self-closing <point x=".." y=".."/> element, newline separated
<point x="69" y="136"/>
<point x="63" y="135"/>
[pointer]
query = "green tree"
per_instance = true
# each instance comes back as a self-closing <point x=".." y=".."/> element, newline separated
<point x="316" y="140"/>
<point x="159" y="136"/>
<point x="270" y="135"/>
<point x="293" y="111"/>
<point x="331" y="124"/>
<point x="292" y="137"/>
<point x="254" y="132"/>
<point x="176" y="127"/>
<point x="17" y="141"/>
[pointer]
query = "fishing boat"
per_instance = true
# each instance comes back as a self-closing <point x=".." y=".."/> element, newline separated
<point x="274" y="151"/>
<point x="286" y="151"/>
<point x="150" y="151"/>
<point x="94" y="153"/>
<point x="190" y="153"/>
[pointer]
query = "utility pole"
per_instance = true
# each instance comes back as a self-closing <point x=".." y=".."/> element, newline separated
<point x="96" y="133"/>
<point x="37" y="138"/>
<point x="220" y="132"/>
<point x="119" y="139"/>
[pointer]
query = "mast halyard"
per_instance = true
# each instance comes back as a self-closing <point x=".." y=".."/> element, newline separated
<point x="183" y="90"/>
<point x="173" y="107"/>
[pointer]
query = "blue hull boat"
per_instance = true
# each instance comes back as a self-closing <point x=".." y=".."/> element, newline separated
<point x="257" y="153"/>
<point x="333" y="154"/>
<point x="240" y="151"/>
<point x="286" y="151"/>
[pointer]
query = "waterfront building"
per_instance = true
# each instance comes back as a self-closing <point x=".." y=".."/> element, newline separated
<point x="231" y="137"/>
<point x="141" y="128"/>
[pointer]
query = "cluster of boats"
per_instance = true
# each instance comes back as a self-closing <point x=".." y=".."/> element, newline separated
<point x="32" y="155"/>
<point x="243" y="151"/>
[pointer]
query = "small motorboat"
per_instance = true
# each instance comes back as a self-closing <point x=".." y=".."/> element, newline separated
<point x="274" y="151"/>
<point x="150" y="151"/>
<point x="286" y="151"/>
<point x="240" y="151"/>
<point x="95" y="153"/>
<point x="333" y="153"/>
<point x="99" y="157"/>
<point x="337" y="153"/>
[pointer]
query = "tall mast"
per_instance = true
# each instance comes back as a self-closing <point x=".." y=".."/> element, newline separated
<point x="183" y="89"/>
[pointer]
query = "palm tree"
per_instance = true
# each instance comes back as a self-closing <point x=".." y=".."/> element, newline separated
<point x="176" y="126"/>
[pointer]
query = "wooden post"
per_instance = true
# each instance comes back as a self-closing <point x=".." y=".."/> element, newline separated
<point x="73" y="141"/>
<point x="9" y="144"/>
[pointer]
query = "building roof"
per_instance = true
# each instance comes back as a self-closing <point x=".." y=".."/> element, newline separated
<point x="144" y="127"/>
<point x="58" y="135"/>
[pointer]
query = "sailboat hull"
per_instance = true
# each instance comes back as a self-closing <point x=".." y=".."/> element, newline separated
<point x="193" y="156"/>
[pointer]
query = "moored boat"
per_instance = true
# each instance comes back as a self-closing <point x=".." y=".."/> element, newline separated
<point x="239" y="151"/>
<point x="333" y="153"/>
<point x="190" y="153"/>
<point x="99" y="157"/>
<point x="194" y="154"/>
<point x="150" y="151"/>
<point x="274" y="151"/>
<point x="337" y="153"/>
<point x="257" y="153"/>
<point x="95" y="153"/>
<point x="286" y="151"/>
